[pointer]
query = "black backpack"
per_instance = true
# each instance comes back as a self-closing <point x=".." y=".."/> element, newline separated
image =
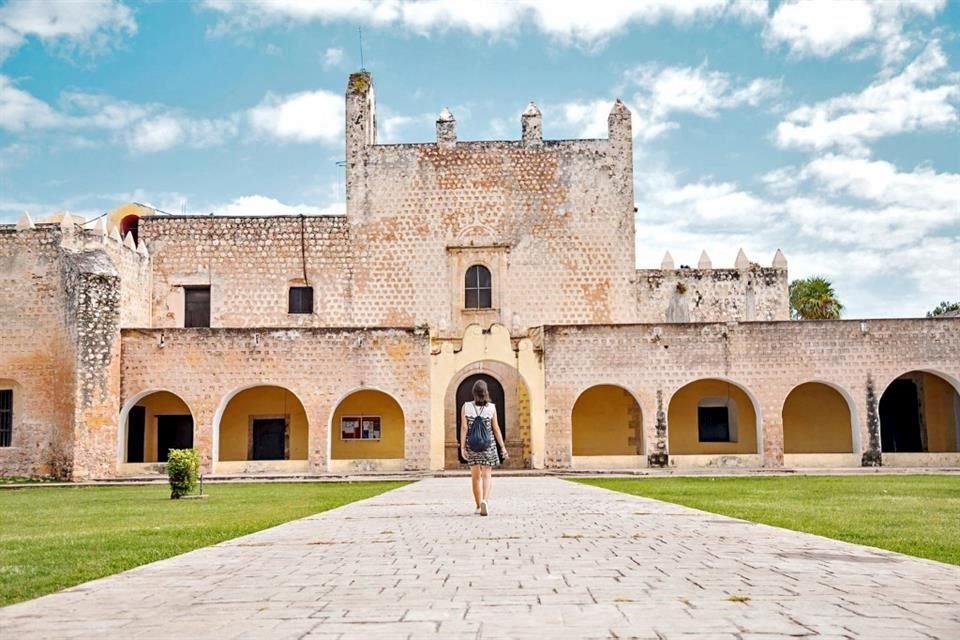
<point x="478" y="438"/>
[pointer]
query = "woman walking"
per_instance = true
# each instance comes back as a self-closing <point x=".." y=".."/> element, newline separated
<point x="481" y="462"/>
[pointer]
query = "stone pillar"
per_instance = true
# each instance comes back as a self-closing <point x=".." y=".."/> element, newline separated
<point x="531" y="127"/>
<point x="360" y="132"/>
<point x="446" y="130"/>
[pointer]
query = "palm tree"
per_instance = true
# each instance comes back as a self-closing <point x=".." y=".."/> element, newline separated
<point x="814" y="299"/>
<point x="946" y="309"/>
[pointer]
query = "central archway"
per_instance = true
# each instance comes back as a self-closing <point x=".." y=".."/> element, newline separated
<point x="508" y="391"/>
<point x="714" y="422"/>
<point x="261" y="428"/>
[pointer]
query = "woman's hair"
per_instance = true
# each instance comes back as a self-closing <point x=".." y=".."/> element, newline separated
<point x="481" y="395"/>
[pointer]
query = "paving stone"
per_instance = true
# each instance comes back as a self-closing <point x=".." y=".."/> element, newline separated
<point x="555" y="560"/>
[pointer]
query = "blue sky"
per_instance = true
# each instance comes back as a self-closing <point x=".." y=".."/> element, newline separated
<point x="827" y="128"/>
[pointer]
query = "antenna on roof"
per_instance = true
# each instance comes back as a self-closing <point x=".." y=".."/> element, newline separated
<point x="360" y="34"/>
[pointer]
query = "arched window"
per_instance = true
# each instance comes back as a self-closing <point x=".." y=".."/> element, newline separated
<point x="477" y="288"/>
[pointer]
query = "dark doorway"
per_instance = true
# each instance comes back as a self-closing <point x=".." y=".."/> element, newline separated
<point x="173" y="432"/>
<point x="269" y="439"/>
<point x="465" y="394"/>
<point x="130" y="224"/>
<point x="136" y="425"/>
<point x="900" y="418"/>
<point x="196" y="310"/>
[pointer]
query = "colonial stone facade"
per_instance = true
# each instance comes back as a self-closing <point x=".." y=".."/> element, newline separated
<point x="337" y="344"/>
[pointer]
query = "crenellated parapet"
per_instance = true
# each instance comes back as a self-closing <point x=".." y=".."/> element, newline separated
<point x="746" y="292"/>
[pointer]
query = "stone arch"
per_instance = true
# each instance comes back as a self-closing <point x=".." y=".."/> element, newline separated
<point x="163" y="418"/>
<point x="515" y="413"/>
<point x="606" y="420"/>
<point x="920" y="413"/>
<point x="686" y="424"/>
<point x="260" y="427"/>
<point x="367" y="402"/>
<point x="819" y="417"/>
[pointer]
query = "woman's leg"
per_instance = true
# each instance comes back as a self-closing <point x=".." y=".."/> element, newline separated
<point x="475" y="477"/>
<point x="487" y="481"/>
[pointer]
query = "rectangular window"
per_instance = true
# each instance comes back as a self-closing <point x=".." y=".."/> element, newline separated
<point x="360" y="428"/>
<point x="6" y="417"/>
<point x="713" y="424"/>
<point x="196" y="303"/>
<point x="301" y="300"/>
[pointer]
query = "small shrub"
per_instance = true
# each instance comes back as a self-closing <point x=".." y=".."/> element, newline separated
<point x="182" y="468"/>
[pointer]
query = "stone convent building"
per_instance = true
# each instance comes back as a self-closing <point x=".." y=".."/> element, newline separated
<point x="339" y="344"/>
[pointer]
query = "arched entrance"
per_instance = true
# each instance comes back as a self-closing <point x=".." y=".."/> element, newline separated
<point x="465" y="394"/>
<point x="920" y="413"/>
<point x="152" y="424"/>
<point x="715" y="422"/>
<point x="367" y="431"/>
<point x="509" y="392"/>
<point x="817" y="419"/>
<point x="606" y="427"/>
<point x="261" y="428"/>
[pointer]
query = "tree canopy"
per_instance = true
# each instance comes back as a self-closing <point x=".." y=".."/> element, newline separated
<point x="944" y="308"/>
<point x="814" y="299"/>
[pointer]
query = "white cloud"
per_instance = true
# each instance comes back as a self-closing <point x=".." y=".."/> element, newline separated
<point x="332" y="58"/>
<point x="575" y="22"/>
<point x="823" y="28"/>
<point x="171" y="130"/>
<point x="309" y="116"/>
<point x="91" y="26"/>
<point x="19" y="110"/>
<point x="258" y="205"/>
<point x="923" y="96"/>
<point x="664" y="91"/>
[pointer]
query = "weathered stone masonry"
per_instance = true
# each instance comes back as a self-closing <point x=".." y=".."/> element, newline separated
<point x="94" y="330"/>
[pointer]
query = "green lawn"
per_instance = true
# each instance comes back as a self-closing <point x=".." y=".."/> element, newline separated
<point x="52" y="537"/>
<point x="918" y="514"/>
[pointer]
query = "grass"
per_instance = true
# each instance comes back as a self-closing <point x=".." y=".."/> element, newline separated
<point x="917" y="514"/>
<point x="52" y="537"/>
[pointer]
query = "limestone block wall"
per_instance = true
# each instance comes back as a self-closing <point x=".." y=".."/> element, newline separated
<point x="767" y="359"/>
<point x="34" y="353"/>
<point x="92" y="304"/>
<point x="552" y="220"/>
<point x="250" y="263"/>
<point x="712" y="295"/>
<point x="206" y="367"/>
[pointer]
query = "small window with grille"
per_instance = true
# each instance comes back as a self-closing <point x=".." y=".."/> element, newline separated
<point x="478" y="292"/>
<point x="6" y="417"/>
<point x="301" y="300"/>
<point x="196" y="303"/>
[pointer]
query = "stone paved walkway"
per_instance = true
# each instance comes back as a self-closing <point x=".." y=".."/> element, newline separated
<point x="554" y="560"/>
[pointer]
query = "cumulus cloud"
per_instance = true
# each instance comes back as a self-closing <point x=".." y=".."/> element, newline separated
<point x="259" y="205"/>
<point x="923" y="96"/>
<point x="661" y="92"/>
<point x="823" y="28"/>
<point x="574" y="22"/>
<point x="309" y="116"/>
<point x="169" y="130"/>
<point x="91" y="26"/>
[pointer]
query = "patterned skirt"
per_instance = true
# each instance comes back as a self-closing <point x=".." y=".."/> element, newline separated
<point x="489" y="457"/>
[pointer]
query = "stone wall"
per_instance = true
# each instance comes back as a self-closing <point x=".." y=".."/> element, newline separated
<point x="34" y="352"/>
<point x="204" y="367"/>
<point x="767" y="359"/>
<point x="712" y="295"/>
<point x="552" y="220"/>
<point x="250" y="264"/>
<point x="92" y="297"/>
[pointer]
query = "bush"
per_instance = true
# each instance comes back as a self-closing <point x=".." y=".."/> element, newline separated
<point x="182" y="468"/>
